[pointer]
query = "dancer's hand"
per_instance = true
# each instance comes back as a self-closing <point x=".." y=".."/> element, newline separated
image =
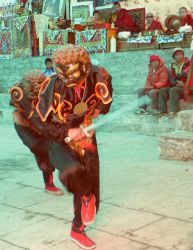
<point x="76" y="134"/>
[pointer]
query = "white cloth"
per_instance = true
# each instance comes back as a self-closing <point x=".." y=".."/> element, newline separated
<point x="41" y="23"/>
<point x="185" y="29"/>
<point x="124" y="35"/>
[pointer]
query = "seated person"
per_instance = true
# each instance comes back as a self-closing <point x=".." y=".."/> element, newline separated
<point x="177" y="78"/>
<point x="97" y="22"/>
<point x="157" y="78"/>
<point x="96" y="17"/>
<point x="122" y="20"/>
<point x="152" y="24"/>
<point x="49" y="67"/>
<point x="185" y="17"/>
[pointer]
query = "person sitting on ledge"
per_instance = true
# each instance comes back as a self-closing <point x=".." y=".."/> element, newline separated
<point x="185" y="17"/>
<point x="177" y="77"/>
<point x="152" y="24"/>
<point x="122" y="20"/>
<point x="157" y="78"/>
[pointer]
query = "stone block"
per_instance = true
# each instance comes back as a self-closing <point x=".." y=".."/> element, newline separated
<point x="186" y="120"/>
<point x="177" y="145"/>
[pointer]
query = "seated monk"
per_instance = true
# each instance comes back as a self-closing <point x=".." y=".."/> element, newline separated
<point x="96" y="17"/>
<point x="122" y="20"/>
<point x="97" y="21"/>
<point x="152" y="24"/>
<point x="185" y="17"/>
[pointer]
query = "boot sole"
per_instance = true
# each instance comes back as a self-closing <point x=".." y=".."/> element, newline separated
<point x="82" y="246"/>
<point x="54" y="193"/>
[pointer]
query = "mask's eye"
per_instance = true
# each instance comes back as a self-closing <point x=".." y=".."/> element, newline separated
<point x="72" y="68"/>
<point x="59" y="72"/>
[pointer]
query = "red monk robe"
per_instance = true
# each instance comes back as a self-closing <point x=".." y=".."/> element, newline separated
<point x="187" y="20"/>
<point x="124" y="22"/>
<point x="155" y="25"/>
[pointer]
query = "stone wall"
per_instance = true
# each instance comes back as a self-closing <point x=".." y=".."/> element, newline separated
<point x="128" y="69"/>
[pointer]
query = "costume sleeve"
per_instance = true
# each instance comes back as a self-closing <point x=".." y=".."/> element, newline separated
<point x="103" y="90"/>
<point x="53" y="130"/>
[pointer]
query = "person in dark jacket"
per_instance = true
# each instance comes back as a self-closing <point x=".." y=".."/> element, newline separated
<point x="177" y="77"/>
<point x="122" y="20"/>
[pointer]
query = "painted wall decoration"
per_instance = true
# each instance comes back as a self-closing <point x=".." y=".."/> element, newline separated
<point x="94" y="41"/>
<point x="21" y="32"/>
<point x="15" y="37"/>
<point x="6" y="50"/>
<point x="53" y="8"/>
<point x="81" y="10"/>
<point x="53" y="40"/>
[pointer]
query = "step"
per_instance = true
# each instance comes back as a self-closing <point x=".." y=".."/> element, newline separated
<point x="177" y="145"/>
<point x="142" y="124"/>
<point x="4" y="100"/>
<point x="186" y="120"/>
<point x="128" y="69"/>
<point x="6" y="117"/>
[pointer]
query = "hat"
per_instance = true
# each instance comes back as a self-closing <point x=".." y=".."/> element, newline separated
<point x="154" y="58"/>
<point x="176" y="50"/>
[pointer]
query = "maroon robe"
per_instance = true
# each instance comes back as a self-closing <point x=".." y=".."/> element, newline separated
<point x="187" y="20"/>
<point x="124" y="22"/>
<point x="155" y="25"/>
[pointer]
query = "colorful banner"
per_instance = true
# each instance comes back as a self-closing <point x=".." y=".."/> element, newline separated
<point x="94" y="41"/>
<point x="21" y="34"/>
<point x="6" y="51"/>
<point x="170" y="38"/>
<point x="54" y="39"/>
<point x="140" y="39"/>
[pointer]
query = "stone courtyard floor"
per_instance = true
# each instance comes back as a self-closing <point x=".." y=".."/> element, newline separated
<point x="146" y="203"/>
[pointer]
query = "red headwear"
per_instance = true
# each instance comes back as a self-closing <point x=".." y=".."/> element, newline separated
<point x="154" y="58"/>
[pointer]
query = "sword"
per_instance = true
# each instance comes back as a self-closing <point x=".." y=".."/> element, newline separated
<point x="144" y="100"/>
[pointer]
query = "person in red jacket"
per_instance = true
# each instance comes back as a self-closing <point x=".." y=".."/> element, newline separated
<point x="177" y="77"/>
<point x="185" y="17"/>
<point x="122" y="20"/>
<point x="157" y="78"/>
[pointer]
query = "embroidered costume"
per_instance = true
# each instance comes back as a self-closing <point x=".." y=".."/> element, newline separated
<point x="57" y="108"/>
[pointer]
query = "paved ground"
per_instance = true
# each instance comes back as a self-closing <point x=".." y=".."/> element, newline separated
<point x="147" y="203"/>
